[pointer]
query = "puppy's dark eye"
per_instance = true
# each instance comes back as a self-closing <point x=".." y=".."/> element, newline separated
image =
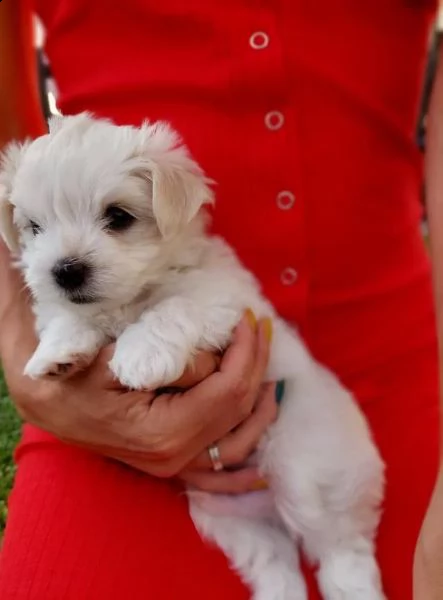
<point x="35" y="227"/>
<point x="117" y="219"/>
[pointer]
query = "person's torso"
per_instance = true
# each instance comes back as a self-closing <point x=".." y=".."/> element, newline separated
<point x="305" y="115"/>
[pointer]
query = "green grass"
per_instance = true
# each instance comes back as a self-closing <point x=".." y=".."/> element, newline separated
<point x="9" y="433"/>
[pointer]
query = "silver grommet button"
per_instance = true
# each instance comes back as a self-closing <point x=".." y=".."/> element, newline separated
<point x="274" y="120"/>
<point x="285" y="200"/>
<point x="288" y="276"/>
<point x="259" y="40"/>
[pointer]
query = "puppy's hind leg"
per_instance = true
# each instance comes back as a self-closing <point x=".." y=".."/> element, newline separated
<point x="263" y="555"/>
<point x="339" y="538"/>
<point x="327" y="479"/>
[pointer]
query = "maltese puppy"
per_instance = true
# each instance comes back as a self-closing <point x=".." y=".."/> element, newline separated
<point x="108" y="225"/>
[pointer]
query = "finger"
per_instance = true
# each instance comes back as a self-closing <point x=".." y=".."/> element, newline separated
<point x="254" y="378"/>
<point x="236" y="447"/>
<point x="222" y="400"/>
<point x="105" y="355"/>
<point x="236" y="365"/>
<point x="264" y="336"/>
<point x="225" y="482"/>
<point x="240" y="355"/>
<point x="99" y="368"/>
<point x="203" y="365"/>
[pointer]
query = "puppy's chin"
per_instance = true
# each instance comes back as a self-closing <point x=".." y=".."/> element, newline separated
<point x="83" y="299"/>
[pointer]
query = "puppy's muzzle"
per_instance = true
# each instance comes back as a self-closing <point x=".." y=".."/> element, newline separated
<point x="71" y="274"/>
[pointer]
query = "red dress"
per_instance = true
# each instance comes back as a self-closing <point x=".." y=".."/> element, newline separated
<point x="305" y="113"/>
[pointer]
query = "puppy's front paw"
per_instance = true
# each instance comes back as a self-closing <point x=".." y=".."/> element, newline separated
<point x="56" y="357"/>
<point x="141" y="362"/>
<point x="45" y="366"/>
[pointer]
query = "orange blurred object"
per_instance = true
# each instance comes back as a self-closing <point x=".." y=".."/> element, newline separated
<point x="20" y="111"/>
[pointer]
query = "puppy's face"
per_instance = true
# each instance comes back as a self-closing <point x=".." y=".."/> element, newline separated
<point x="97" y="212"/>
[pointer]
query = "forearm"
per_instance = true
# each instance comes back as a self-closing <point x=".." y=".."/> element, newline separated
<point x="16" y="321"/>
<point x="20" y="117"/>
<point x="429" y="556"/>
<point x="434" y="190"/>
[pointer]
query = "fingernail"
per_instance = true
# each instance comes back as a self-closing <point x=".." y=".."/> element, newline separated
<point x="267" y="328"/>
<point x="260" y="484"/>
<point x="251" y="319"/>
<point x="279" y="391"/>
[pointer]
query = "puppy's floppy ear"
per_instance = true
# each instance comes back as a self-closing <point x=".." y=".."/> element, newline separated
<point x="179" y="187"/>
<point x="8" y="231"/>
<point x="178" y="193"/>
<point x="9" y="162"/>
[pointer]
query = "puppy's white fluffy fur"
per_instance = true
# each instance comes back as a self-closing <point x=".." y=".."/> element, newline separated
<point x="163" y="288"/>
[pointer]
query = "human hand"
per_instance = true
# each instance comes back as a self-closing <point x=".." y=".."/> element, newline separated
<point x="237" y="476"/>
<point x="158" y="434"/>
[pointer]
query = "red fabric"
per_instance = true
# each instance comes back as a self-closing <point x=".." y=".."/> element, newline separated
<point x="346" y="76"/>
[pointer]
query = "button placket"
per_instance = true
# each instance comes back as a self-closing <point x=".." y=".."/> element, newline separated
<point x="274" y="121"/>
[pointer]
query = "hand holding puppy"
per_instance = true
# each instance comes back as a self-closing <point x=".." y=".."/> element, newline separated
<point x="166" y="434"/>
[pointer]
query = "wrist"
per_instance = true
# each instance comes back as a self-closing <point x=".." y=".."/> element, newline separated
<point x="17" y="338"/>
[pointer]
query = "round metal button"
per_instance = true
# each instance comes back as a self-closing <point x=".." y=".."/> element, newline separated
<point x="274" y="120"/>
<point x="259" y="40"/>
<point x="285" y="200"/>
<point x="288" y="276"/>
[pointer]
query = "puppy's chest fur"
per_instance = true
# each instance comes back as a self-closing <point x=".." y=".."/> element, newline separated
<point x="214" y="290"/>
<point x="114" y="321"/>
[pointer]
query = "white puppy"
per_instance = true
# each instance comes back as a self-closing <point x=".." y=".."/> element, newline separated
<point x="108" y="226"/>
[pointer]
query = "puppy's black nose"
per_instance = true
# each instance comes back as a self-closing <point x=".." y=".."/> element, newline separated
<point x="70" y="273"/>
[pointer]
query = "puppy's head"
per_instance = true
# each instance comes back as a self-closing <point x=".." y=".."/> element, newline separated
<point x="95" y="211"/>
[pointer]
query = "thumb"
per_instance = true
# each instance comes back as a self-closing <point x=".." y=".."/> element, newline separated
<point x="100" y="368"/>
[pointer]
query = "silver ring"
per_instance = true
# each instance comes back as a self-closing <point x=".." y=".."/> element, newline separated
<point x="214" y="455"/>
